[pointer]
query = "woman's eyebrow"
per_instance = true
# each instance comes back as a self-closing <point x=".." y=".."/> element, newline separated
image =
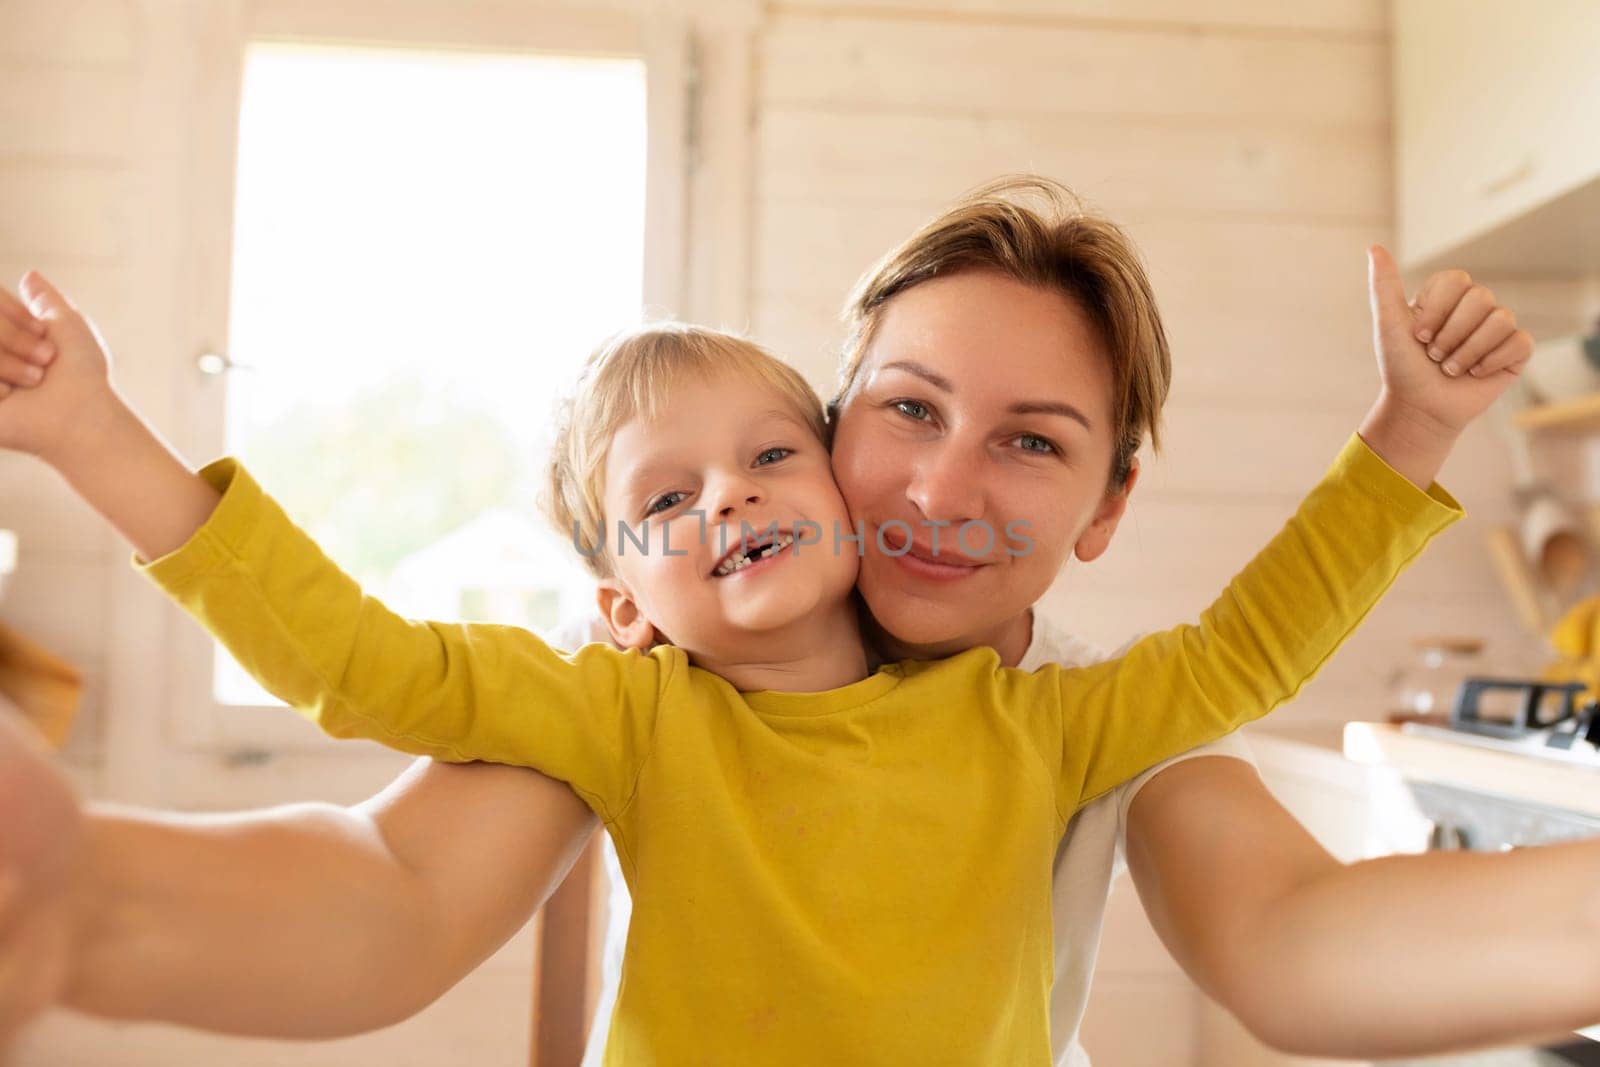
<point x="926" y="373"/>
<point x="1050" y="407"/>
<point x="1021" y="407"/>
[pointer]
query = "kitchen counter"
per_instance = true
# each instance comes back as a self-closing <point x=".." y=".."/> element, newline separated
<point x="1552" y="783"/>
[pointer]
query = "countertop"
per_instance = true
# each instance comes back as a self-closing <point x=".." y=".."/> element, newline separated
<point x="1553" y="783"/>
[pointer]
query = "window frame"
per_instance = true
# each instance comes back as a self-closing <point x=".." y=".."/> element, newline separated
<point x="196" y="721"/>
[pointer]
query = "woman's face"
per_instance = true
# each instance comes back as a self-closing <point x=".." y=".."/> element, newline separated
<point x="986" y="401"/>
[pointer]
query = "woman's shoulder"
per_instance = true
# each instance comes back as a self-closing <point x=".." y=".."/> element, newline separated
<point x="1054" y="645"/>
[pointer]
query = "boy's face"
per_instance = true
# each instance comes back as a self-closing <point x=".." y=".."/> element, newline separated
<point x="701" y="486"/>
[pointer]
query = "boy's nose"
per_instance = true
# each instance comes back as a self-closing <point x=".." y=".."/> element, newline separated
<point x="736" y="494"/>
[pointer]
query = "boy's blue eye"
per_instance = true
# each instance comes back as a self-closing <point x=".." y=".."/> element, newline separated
<point x="1032" y="442"/>
<point x="664" y="501"/>
<point x="912" y="409"/>
<point x="772" y="455"/>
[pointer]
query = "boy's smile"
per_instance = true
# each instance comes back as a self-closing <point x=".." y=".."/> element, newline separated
<point x="727" y="510"/>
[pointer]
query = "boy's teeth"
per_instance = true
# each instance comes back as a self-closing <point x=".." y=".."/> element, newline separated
<point x="742" y="559"/>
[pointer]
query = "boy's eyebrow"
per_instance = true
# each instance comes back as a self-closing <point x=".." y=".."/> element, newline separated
<point x="1021" y="407"/>
<point x="638" y="476"/>
<point x="648" y="470"/>
<point x="785" y="416"/>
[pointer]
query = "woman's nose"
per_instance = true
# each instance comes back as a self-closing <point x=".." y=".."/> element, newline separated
<point x="947" y="485"/>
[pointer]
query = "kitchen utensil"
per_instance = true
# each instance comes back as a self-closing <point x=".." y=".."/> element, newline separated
<point x="45" y="687"/>
<point x="1553" y="542"/>
<point x="1511" y="566"/>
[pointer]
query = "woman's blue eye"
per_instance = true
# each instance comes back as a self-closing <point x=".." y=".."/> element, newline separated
<point x="912" y="409"/>
<point x="1032" y="442"/>
<point x="772" y="455"/>
<point x="664" y="501"/>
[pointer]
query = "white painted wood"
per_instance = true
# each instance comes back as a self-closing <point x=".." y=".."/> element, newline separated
<point x="722" y="179"/>
<point x="1365" y="17"/>
<point x="70" y="112"/>
<point x="594" y="30"/>
<point x="1226" y="165"/>
<point x="668" y="73"/>
<point x="77" y="214"/>
<point x="176" y="91"/>
<point x="84" y="34"/>
<point x="50" y="521"/>
<point x="1495" y="109"/>
<point x="60" y="603"/>
<point x="858" y="65"/>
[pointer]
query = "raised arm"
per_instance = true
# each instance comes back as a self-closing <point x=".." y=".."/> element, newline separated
<point x="77" y="422"/>
<point x="301" y="626"/>
<point x="299" y="922"/>
<point x="1297" y="600"/>
<point x="1399" y="956"/>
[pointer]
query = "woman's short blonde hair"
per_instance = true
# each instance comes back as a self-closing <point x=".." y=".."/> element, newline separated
<point x="1037" y="231"/>
<point x="631" y="376"/>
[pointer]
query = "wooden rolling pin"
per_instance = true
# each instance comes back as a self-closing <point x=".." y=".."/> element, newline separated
<point x="45" y="687"/>
<point x="1517" y="578"/>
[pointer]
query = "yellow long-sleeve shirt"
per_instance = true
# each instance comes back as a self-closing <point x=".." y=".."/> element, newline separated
<point x="854" y="876"/>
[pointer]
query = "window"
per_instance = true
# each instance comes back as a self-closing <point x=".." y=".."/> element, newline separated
<point x="426" y="245"/>
<point x="407" y="234"/>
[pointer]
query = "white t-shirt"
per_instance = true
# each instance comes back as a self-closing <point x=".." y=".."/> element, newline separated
<point x="1089" y="858"/>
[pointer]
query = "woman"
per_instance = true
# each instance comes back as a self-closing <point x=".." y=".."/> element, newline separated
<point x="931" y="426"/>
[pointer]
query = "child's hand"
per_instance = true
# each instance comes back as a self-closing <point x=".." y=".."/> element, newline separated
<point x="24" y="351"/>
<point x="1447" y="356"/>
<point x="45" y="416"/>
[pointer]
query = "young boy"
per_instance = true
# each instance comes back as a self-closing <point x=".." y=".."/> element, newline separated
<point x="827" y="865"/>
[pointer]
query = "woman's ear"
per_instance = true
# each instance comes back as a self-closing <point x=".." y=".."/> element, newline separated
<point x="629" y="628"/>
<point x="1094" y="540"/>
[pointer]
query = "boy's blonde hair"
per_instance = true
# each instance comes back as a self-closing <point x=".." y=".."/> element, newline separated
<point x="1037" y="231"/>
<point x="631" y="376"/>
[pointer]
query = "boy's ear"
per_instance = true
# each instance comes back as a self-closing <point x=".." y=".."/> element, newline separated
<point x="1096" y="538"/>
<point x="629" y="628"/>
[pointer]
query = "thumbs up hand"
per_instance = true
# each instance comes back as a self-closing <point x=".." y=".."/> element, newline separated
<point x="1443" y="359"/>
<point x="1448" y="355"/>
<point x="73" y="393"/>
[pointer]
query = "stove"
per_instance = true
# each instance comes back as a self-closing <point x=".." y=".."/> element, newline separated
<point x="1530" y="718"/>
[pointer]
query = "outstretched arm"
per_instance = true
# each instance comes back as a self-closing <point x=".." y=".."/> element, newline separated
<point x="306" y="921"/>
<point x="1399" y="956"/>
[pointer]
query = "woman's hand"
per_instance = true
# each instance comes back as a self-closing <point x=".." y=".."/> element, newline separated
<point x="41" y="841"/>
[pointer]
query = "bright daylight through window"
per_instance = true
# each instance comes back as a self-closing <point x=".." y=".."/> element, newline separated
<point x="426" y="245"/>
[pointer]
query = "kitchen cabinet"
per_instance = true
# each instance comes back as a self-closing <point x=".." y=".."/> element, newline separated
<point x="1497" y="134"/>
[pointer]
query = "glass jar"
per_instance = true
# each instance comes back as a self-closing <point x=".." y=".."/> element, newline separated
<point x="1424" y="689"/>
